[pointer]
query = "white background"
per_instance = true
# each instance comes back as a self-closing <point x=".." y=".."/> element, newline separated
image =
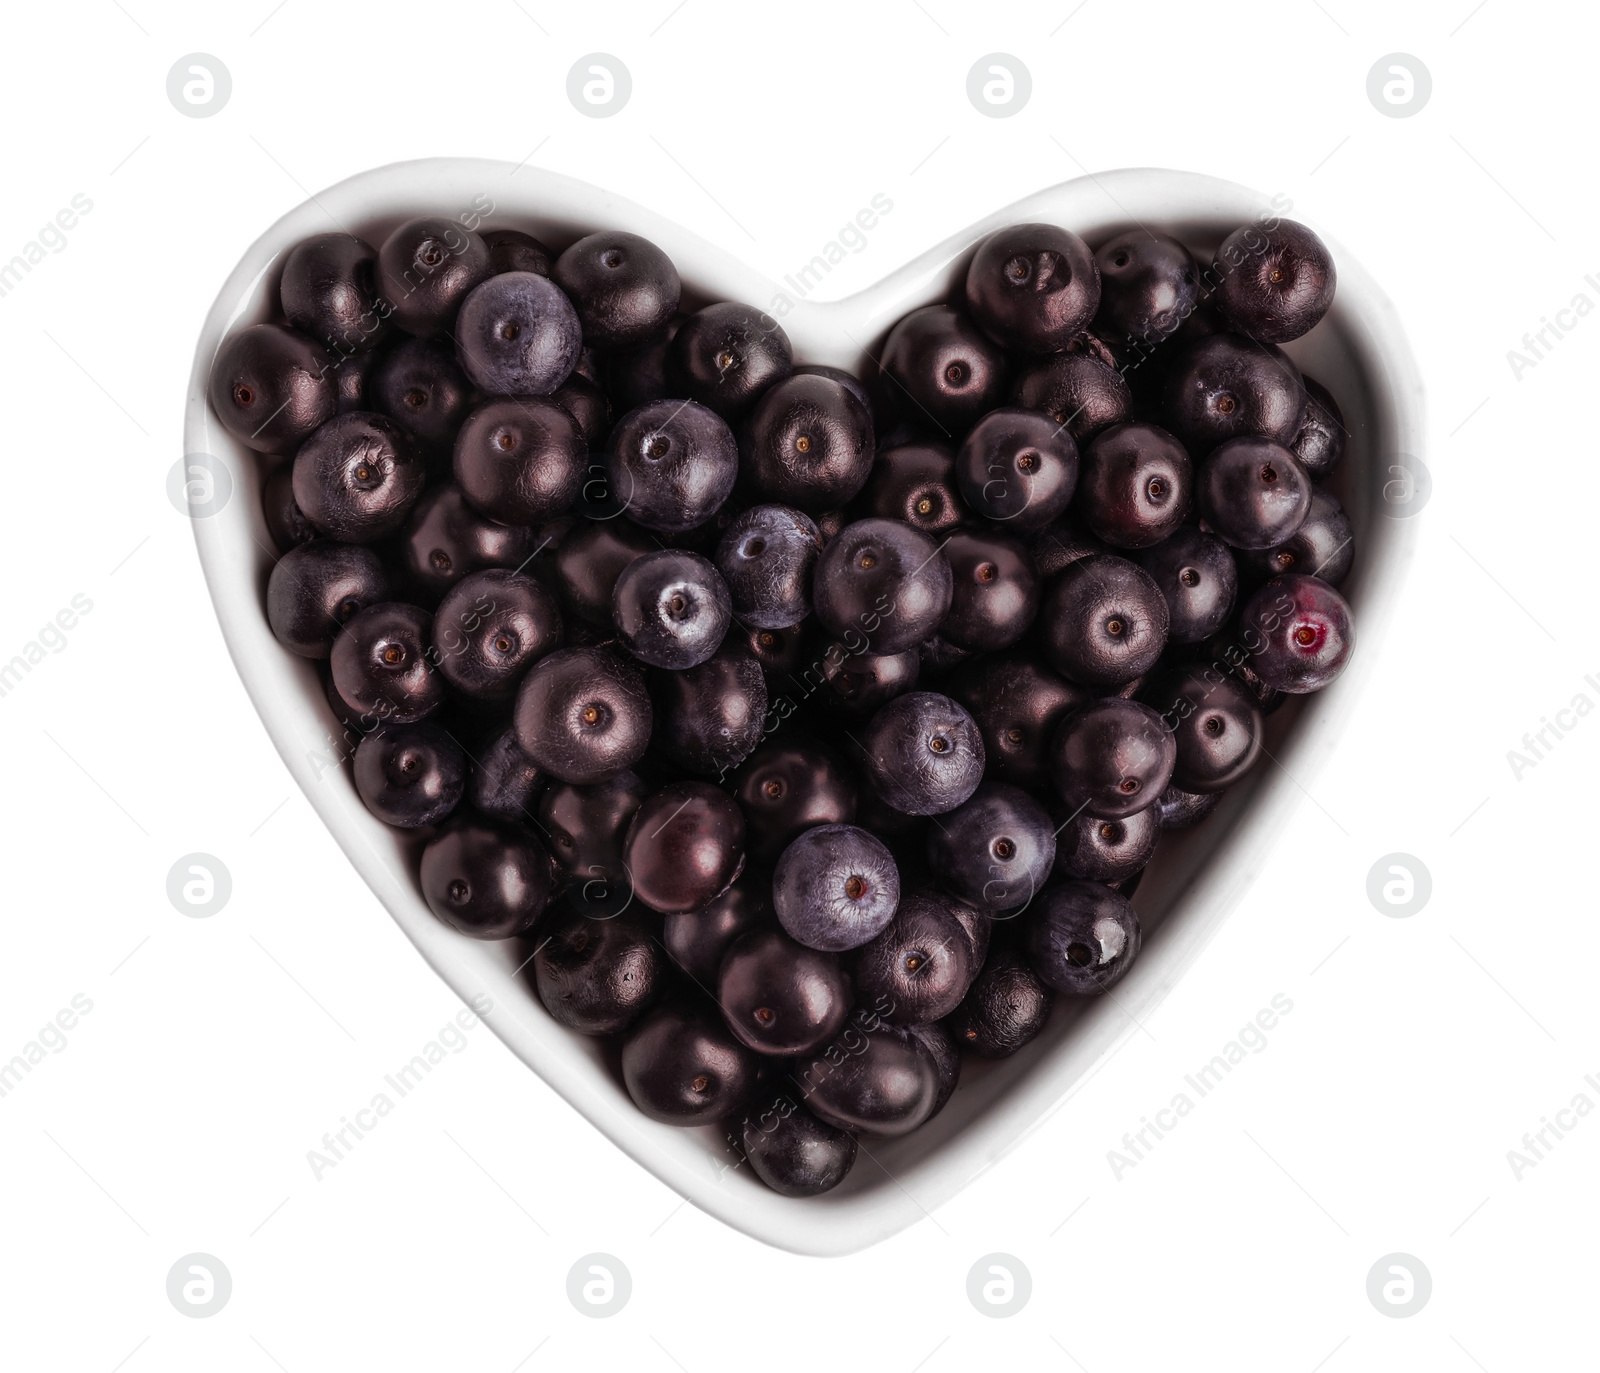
<point x="218" y="1051"/>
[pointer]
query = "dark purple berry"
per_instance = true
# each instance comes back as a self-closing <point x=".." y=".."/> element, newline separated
<point x="1019" y="468"/>
<point x="486" y="878"/>
<point x="1112" y="758"/>
<point x="624" y="288"/>
<point x="1104" y="621"/>
<point x="1276" y="283"/>
<point x="583" y="715"/>
<point x="924" y="755"/>
<point x="357" y="477"/>
<point x="1082" y="938"/>
<point x="410" y="775"/>
<point x="1299" y="633"/>
<point x="684" y="847"/>
<point x="1252" y="493"/>
<point x="835" y="887"/>
<point x="426" y="267"/>
<point x="317" y="588"/>
<point x="1031" y="287"/>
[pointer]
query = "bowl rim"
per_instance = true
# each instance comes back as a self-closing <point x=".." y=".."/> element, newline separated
<point x="840" y="332"/>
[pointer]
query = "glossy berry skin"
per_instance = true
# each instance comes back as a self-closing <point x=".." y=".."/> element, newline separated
<point x="1226" y="387"/>
<point x="835" y="887"/>
<point x="598" y="976"/>
<point x="919" y="967"/>
<point x="1079" y="392"/>
<point x="886" y="1084"/>
<point x="1278" y="282"/>
<point x="727" y="354"/>
<point x="994" y="591"/>
<point x="857" y="685"/>
<point x="940" y="369"/>
<point x="1323" y="547"/>
<point x="1149" y="284"/>
<point x="1082" y="938"/>
<point x="671" y="608"/>
<point x="272" y="387"/>
<point x="503" y="781"/>
<point x="1031" y="287"/>
<point x="490" y="628"/>
<point x="767" y="557"/>
<point x="924" y="754"/>
<point x="485" y="878"/>
<point x="511" y="250"/>
<point x="588" y="405"/>
<point x="583" y="715"/>
<point x="995" y="850"/>
<point x="1134" y="485"/>
<point x="426" y="267"/>
<point x="1299" y="633"/>
<point x="787" y="786"/>
<point x="1092" y="848"/>
<point x="517" y="335"/>
<point x="1062" y="542"/>
<point x="1112" y="758"/>
<point x="916" y="484"/>
<point x="381" y="664"/>
<point x="1180" y="810"/>
<point x="796" y="1154"/>
<point x="884" y="580"/>
<point x="352" y="376"/>
<point x="849" y="380"/>
<point x="672" y="464"/>
<point x="587" y="825"/>
<point x="1018" y="468"/>
<point x="1252" y="493"/>
<point x="1319" y="444"/>
<point x="636" y="376"/>
<point x="808" y="443"/>
<point x="590" y="559"/>
<point x="978" y="929"/>
<point x="444" y="539"/>
<point x="357" y="477"/>
<point x="1231" y="650"/>
<point x="682" y="1067"/>
<point x="936" y="1042"/>
<point x="520" y="461"/>
<point x="419" y="384"/>
<point x="317" y="588"/>
<point x="709" y="718"/>
<point x="624" y="288"/>
<point x="410" y="775"/>
<point x="1104" y="621"/>
<point x="328" y="292"/>
<point x="684" y="847"/>
<point x="1216" y="723"/>
<point x="697" y="940"/>
<point x="286" y="522"/>
<point x="1017" y="702"/>
<point x="781" y="652"/>
<point x="779" y="997"/>
<point x="1198" y="579"/>
<point x="1004" y="1009"/>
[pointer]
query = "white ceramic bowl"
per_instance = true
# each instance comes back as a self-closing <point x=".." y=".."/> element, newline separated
<point x="1359" y="352"/>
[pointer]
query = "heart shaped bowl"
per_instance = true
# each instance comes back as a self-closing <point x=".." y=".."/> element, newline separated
<point x="1359" y="352"/>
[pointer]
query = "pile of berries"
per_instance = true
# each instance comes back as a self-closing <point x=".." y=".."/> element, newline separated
<point x="811" y="731"/>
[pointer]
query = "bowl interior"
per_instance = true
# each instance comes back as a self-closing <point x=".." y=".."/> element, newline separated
<point x="1358" y="352"/>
